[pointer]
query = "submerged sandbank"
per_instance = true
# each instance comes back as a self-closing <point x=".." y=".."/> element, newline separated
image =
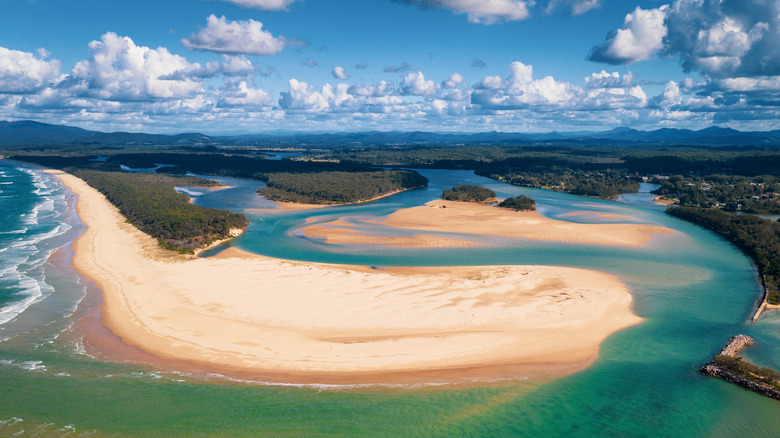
<point x="305" y="322"/>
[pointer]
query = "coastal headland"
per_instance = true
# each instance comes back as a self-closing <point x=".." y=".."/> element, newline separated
<point x="306" y="323"/>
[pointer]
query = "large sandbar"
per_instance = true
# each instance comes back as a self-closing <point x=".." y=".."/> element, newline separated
<point x="470" y="218"/>
<point x="310" y="322"/>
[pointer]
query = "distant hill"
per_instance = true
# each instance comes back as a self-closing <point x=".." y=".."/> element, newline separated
<point x="30" y="133"/>
<point x="713" y="136"/>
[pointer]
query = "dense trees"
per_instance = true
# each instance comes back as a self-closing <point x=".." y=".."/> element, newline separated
<point x="150" y="202"/>
<point x="468" y="193"/>
<point x="518" y="203"/>
<point x="601" y="184"/>
<point x="311" y="182"/>
<point x="338" y="187"/>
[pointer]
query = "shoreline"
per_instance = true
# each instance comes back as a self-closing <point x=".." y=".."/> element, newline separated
<point x="291" y="322"/>
<point x="281" y="205"/>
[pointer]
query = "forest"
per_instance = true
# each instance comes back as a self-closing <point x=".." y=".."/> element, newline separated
<point x="338" y="187"/>
<point x="150" y="202"/>
<point x="468" y="193"/>
<point x="309" y="182"/>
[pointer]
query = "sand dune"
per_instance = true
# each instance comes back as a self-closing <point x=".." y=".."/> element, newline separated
<point x="309" y="322"/>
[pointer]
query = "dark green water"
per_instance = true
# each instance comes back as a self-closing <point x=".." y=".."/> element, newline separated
<point x="694" y="290"/>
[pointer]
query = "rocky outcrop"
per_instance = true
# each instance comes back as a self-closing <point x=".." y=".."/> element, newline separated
<point x="743" y="381"/>
<point x="731" y="349"/>
<point x="736" y="344"/>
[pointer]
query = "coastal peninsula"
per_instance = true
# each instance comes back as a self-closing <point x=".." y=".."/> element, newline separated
<point x="296" y="322"/>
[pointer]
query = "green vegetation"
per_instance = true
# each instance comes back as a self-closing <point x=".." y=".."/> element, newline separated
<point x="758" y="238"/>
<point x="468" y="193"/>
<point x="338" y="187"/>
<point x="601" y="184"/>
<point x="519" y="203"/>
<point x="288" y="180"/>
<point x="603" y="171"/>
<point x="737" y="365"/>
<point x="758" y="194"/>
<point x="150" y="202"/>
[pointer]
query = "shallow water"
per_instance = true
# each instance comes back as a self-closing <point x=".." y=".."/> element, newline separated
<point x="693" y="289"/>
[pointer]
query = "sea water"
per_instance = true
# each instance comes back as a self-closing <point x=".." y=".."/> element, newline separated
<point x="693" y="289"/>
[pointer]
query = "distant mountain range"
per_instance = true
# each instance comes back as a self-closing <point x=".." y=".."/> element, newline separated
<point x="30" y="133"/>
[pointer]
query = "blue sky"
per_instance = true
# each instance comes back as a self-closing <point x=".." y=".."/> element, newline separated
<point x="252" y="66"/>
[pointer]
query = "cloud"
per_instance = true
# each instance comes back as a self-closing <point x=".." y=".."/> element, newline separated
<point x="521" y="90"/>
<point x="670" y="97"/>
<point x="720" y="38"/>
<point x="240" y="95"/>
<point x="266" y="5"/>
<point x="302" y="96"/>
<point x="120" y="70"/>
<point x="640" y="38"/>
<point x="339" y="73"/>
<point x="360" y="66"/>
<point x="453" y="81"/>
<point x="234" y="37"/>
<point x="481" y="11"/>
<point x="22" y="72"/>
<point x="237" y="66"/>
<point x="609" y="80"/>
<point x="478" y="63"/>
<point x="414" y="84"/>
<point x="576" y="7"/>
<point x="310" y="63"/>
<point x="379" y="89"/>
<point x="403" y="68"/>
<point x="725" y="38"/>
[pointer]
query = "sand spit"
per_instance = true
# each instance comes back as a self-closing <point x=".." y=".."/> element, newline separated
<point x="310" y="322"/>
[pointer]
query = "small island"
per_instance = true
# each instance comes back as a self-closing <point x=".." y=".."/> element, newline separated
<point x="519" y="203"/>
<point x="469" y="193"/>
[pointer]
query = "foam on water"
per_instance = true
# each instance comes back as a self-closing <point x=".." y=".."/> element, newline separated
<point x="28" y="246"/>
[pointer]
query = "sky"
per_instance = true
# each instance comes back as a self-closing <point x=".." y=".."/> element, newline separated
<point x="265" y="66"/>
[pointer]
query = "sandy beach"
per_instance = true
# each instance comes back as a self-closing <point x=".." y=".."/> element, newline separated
<point x="470" y="218"/>
<point x="308" y="322"/>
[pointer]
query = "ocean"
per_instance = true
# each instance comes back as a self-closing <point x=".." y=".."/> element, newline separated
<point x="693" y="288"/>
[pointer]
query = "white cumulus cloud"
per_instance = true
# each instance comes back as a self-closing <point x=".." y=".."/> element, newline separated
<point x="414" y="84"/>
<point x="609" y="80"/>
<point x="266" y="5"/>
<point x="234" y="37"/>
<point x="339" y="73"/>
<point x="641" y="37"/>
<point x="23" y="72"/>
<point x="576" y="7"/>
<point x="481" y="11"/>
<point x="237" y="66"/>
<point x="240" y="95"/>
<point x="121" y="70"/>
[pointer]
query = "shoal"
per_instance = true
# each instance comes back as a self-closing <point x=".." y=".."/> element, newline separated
<point x="469" y="218"/>
<point x="311" y="322"/>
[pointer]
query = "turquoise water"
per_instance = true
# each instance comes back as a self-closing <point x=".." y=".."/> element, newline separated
<point x="693" y="289"/>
